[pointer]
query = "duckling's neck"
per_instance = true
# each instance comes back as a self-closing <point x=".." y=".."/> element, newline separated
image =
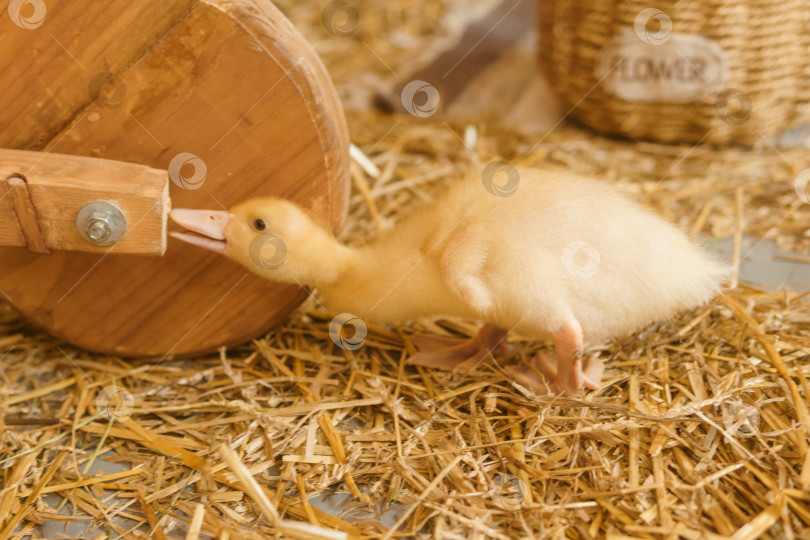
<point x="385" y="281"/>
<point x="325" y="261"/>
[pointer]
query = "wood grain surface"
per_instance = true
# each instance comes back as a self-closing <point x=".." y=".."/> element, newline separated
<point x="229" y="87"/>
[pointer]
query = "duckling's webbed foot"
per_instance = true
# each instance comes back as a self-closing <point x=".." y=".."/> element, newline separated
<point x="567" y="372"/>
<point x="458" y="355"/>
<point x="592" y="369"/>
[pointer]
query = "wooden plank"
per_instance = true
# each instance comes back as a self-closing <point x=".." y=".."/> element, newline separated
<point x="482" y="44"/>
<point x="491" y="75"/>
<point x="60" y="185"/>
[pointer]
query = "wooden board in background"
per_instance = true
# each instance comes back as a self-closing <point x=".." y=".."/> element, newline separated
<point x="491" y="74"/>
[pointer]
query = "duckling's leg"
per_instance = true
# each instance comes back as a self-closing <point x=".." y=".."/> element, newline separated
<point x="569" y="376"/>
<point x="458" y="355"/>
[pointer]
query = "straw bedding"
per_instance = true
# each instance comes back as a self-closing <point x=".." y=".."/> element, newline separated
<point x="700" y="431"/>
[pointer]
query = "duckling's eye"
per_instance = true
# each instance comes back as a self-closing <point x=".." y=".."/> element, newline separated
<point x="258" y="224"/>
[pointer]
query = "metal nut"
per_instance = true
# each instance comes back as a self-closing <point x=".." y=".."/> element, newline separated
<point x="99" y="227"/>
<point x="101" y="223"/>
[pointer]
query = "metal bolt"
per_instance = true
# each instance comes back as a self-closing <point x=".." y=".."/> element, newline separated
<point x="101" y="223"/>
<point x="99" y="227"/>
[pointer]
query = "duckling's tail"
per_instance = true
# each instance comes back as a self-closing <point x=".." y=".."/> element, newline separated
<point x="704" y="278"/>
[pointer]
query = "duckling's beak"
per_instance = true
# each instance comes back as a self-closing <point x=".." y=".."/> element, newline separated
<point x="205" y="228"/>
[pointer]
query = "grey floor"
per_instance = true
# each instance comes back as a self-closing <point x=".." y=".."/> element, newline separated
<point x="762" y="265"/>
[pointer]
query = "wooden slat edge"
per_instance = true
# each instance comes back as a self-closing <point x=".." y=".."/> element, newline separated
<point x="26" y="214"/>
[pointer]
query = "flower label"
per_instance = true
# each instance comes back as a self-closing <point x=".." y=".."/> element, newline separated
<point x="684" y="68"/>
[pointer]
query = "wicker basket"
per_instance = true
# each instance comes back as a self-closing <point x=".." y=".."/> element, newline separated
<point x="713" y="71"/>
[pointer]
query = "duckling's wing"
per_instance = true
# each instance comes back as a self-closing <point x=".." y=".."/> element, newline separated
<point x="462" y="261"/>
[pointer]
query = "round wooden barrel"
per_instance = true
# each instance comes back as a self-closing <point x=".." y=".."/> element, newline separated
<point x="226" y="96"/>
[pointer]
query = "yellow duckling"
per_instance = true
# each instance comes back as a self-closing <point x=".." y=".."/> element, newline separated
<point x="545" y="253"/>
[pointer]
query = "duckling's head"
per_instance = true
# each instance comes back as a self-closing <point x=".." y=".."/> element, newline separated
<point x="272" y="237"/>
